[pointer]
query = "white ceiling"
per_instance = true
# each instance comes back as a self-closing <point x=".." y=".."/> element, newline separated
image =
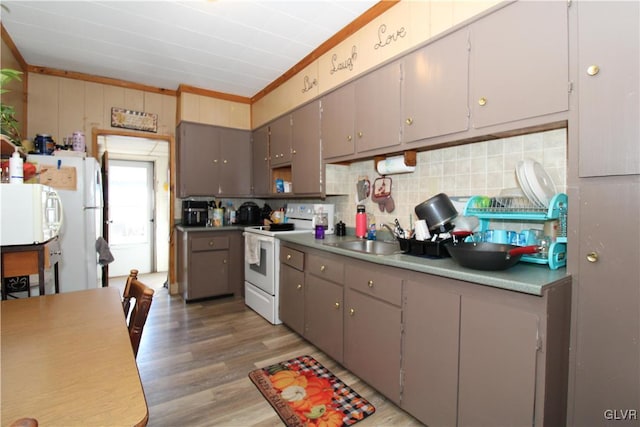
<point x="232" y="46"/>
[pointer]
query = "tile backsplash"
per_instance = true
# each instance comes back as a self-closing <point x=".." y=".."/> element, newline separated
<point x="485" y="168"/>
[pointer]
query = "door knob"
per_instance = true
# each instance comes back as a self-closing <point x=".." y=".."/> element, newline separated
<point x="482" y="101"/>
<point x="592" y="257"/>
<point x="592" y="70"/>
<point x="409" y="121"/>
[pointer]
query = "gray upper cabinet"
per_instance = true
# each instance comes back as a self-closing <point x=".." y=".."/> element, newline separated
<point x="280" y="141"/>
<point x="197" y="174"/>
<point x="608" y="84"/>
<point x="435" y="90"/>
<point x="519" y="63"/>
<point x="212" y="160"/>
<point x="337" y="122"/>
<point x="306" y="170"/>
<point x="377" y="118"/>
<point x="234" y="161"/>
<point x="261" y="176"/>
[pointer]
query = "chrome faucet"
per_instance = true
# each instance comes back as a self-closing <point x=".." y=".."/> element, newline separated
<point x="391" y="230"/>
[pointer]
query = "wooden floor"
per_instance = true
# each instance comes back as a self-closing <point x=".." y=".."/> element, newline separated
<point x="194" y="360"/>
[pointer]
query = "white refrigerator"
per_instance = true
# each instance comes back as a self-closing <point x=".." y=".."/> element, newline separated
<point x="81" y="224"/>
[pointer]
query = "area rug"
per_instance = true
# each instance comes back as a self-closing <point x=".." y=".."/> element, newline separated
<point x="305" y="393"/>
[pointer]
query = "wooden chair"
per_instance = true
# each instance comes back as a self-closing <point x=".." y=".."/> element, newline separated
<point x="143" y="295"/>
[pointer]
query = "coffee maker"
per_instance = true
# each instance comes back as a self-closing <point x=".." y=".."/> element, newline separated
<point x="194" y="213"/>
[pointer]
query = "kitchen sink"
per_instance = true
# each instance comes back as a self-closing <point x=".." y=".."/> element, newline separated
<point x="373" y="247"/>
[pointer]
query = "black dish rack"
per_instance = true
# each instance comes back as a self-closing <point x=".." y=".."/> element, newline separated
<point x="425" y="248"/>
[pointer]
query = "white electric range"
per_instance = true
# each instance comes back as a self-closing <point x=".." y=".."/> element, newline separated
<point x="262" y="256"/>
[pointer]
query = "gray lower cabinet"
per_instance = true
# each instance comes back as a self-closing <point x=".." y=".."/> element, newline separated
<point x="292" y="289"/>
<point x="373" y="325"/>
<point x="210" y="264"/>
<point x="447" y="351"/>
<point x="498" y="350"/>
<point x="323" y="315"/>
<point x="430" y="351"/>
<point x="519" y="63"/>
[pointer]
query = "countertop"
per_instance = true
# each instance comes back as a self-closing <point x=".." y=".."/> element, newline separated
<point x="523" y="277"/>
<point x="190" y="229"/>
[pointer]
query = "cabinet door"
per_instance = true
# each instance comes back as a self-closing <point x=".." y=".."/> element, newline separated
<point x="209" y="275"/>
<point x="378" y="109"/>
<point x="435" y="89"/>
<point x="323" y="311"/>
<point x="372" y="337"/>
<point x="280" y="140"/>
<point x="607" y="355"/>
<point x="498" y="346"/>
<point x="430" y="353"/>
<point x="608" y="85"/>
<point x="198" y="151"/>
<point x="305" y="167"/>
<point x="337" y="122"/>
<point x="261" y="177"/>
<point x="235" y="162"/>
<point x="292" y="298"/>
<point x="519" y="63"/>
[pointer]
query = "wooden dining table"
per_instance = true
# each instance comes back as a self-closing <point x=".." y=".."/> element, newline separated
<point x="67" y="360"/>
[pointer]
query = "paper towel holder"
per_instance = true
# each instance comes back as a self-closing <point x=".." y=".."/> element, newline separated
<point x="409" y="158"/>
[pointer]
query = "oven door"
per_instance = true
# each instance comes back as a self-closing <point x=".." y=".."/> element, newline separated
<point x="263" y="276"/>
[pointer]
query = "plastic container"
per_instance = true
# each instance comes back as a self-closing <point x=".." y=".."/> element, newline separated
<point x="16" y="171"/>
<point x="361" y="222"/>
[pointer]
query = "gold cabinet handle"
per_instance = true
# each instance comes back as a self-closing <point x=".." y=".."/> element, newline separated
<point x="360" y="134"/>
<point x="294" y="152"/>
<point x="352" y="311"/>
<point x="215" y="161"/>
<point x="211" y="243"/>
<point x="337" y="305"/>
<point x="592" y="257"/>
<point x="224" y="161"/>
<point x="482" y="101"/>
<point x="370" y="283"/>
<point x="323" y="268"/>
<point x="265" y="159"/>
<point x="281" y="155"/>
<point x="349" y="138"/>
<point x="299" y="286"/>
<point x="288" y="257"/>
<point x="224" y="261"/>
<point x="592" y="70"/>
<point x="409" y="121"/>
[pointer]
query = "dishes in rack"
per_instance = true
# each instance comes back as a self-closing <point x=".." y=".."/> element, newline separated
<point x="535" y="182"/>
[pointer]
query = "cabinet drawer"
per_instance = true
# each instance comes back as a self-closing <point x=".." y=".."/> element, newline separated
<point x="210" y="243"/>
<point x="292" y="257"/>
<point x="374" y="281"/>
<point x="326" y="268"/>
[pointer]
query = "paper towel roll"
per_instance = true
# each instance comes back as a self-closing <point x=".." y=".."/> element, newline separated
<point x="393" y="165"/>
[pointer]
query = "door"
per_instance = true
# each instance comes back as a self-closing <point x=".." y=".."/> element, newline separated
<point x="131" y="216"/>
<point x="105" y="212"/>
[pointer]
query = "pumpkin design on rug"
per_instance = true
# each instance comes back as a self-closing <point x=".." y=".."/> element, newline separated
<point x="305" y="393"/>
